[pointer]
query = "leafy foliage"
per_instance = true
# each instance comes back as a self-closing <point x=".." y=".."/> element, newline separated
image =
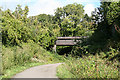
<point x="44" y="31"/>
<point x="14" y="31"/>
<point x="71" y="20"/>
<point x="17" y="28"/>
<point x="106" y="30"/>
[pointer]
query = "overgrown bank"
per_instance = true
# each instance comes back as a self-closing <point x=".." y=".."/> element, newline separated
<point x="88" y="67"/>
<point x="16" y="59"/>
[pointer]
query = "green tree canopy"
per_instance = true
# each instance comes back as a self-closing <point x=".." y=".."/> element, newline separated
<point x="70" y="19"/>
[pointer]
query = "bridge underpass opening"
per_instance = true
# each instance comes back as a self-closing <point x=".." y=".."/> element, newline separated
<point x="64" y="50"/>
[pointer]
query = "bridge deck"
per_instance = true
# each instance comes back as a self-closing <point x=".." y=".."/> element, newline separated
<point x="68" y="41"/>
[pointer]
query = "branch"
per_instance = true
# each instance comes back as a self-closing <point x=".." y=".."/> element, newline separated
<point x="117" y="28"/>
<point x="11" y="15"/>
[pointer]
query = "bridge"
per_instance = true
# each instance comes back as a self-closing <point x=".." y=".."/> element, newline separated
<point x="68" y="41"/>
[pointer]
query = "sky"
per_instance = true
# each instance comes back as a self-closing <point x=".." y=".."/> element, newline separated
<point x="37" y="7"/>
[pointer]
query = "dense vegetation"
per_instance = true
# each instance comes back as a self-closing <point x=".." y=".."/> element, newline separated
<point x="24" y="38"/>
<point x="17" y="28"/>
<point x="88" y="67"/>
<point x="15" y="59"/>
<point x="102" y="48"/>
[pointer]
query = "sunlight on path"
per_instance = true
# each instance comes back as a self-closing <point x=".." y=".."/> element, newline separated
<point x="42" y="71"/>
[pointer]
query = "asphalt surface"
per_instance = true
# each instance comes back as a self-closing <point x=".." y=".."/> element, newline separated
<point x="42" y="71"/>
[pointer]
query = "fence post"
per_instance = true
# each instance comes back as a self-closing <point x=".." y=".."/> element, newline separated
<point x="54" y="48"/>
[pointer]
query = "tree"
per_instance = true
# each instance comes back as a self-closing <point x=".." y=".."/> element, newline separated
<point x="87" y="18"/>
<point x="113" y="15"/>
<point x="43" y="30"/>
<point x="107" y="19"/>
<point x="14" y="26"/>
<point x="69" y="19"/>
<point x="109" y="13"/>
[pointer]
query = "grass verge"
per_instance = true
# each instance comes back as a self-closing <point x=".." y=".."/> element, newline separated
<point x="88" y="67"/>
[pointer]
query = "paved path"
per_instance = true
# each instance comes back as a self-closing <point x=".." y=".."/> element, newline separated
<point x="42" y="71"/>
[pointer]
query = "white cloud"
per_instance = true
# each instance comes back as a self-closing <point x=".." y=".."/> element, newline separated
<point x="11" y="4"/>
<point x="43" y="6"/>
<point x="9" y="0"/>
<point x="89" y="8"/>
<point x="37" y="7"/>
<point x="79" y="1"/>
<point x="5" y="1"/>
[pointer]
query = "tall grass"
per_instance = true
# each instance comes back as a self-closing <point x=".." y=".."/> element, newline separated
<point x="27" y="53"/>
<point x="88" y="67"/>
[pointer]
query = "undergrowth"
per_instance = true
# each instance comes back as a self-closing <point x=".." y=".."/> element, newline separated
<point x="88" y="67"/>
<point x="24" y="55"/>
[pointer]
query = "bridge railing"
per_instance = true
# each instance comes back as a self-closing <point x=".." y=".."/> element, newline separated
<point x="67" y="38"/>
